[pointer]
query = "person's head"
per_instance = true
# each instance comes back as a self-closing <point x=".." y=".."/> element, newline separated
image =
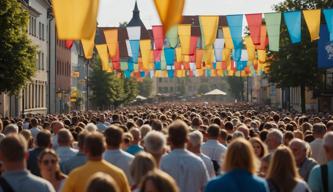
<point x="229" y="127"/>
<point x="223" y="135"/>
<point x="48" y="162"/>
<point x="101" y="118"/>
<point x="102" y="182"/>
<point x="13" y="150"/>
<point x="319" y="130"/>
<point x="65" y="138"/>
<point x="177" y="134"/>
<point x="81" y="139"/>
<point x="329" y="125"/>
<point x="274" y="139"/>
<point x="233" y="159"/>
<point x="135" y="132"/>
<point x="259" y="147"/>
<point x="141" y="165"/>
<point x="196" y="122"/>
<point x="144" y="129"/>
<point x="282" y="170"/>
<point x="91" y="127"/>
<point x="154" y="143"/>
<point x="158" y="181"/>
<point x="213" y="131"/>
<point x="243" y="128"/>
<point x="34" y="122"/>
<point x="11" y="129"/>
<point x="195" y="141"/>
<point x="43" y="139"/>
<point x="26" y="133"/>
<point x="299" y="149"/>
<point x="287" y="137"/>
<point x="264" y="165"/>
<point x="328" y="145"/>
<point x="113" y="136"/>
<point x="156" y="125"/>
<point x="94" y="145"/>
<point x="56" y="126"/>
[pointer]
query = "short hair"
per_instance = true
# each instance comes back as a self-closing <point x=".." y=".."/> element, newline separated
<point x="195" y="138"/>
<point x="91" y="127"/>
<point x="113" y="136"/>
<point x="156" y="125"/>
<point x="213" y="130"/>
<point x="178" y="131"/>
<point x="161" y="180"/>
<point x="94" y="144"/>
<point x="64" y="136"/>
<point x="228" y="126"/>
<point x="245" y="161"/>
<point x="328" y="139"/>
<point x="154" y="142"/>
<point x="144" y="129"/>
<point x="11" y="128"/>
<point x="81" y="138"/>
<point x="319" y="128"/>
<point x="276" y="134"/>
<point x="141" y="165"/>
<point x="102" y="182"/>
<point x="300" y="142"/>
<point x="13" y="148"/>
<point x="135" y="132"/>
<point x="43" y="139"/>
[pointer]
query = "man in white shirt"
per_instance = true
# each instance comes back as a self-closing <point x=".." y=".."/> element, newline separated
<point x="55" y="127"/>
<point x="188" y="170"/>
<point x="34" y="128"/>
<point x="212" y="148"/>
<point x="194" y="144"/>
<point x="318" y="152"/>
<point x="114" y="154"/>
<point x="65" y="150"/>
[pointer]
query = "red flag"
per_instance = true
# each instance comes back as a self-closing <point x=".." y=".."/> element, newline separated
<point x="254" y="22"/>
<point x="158" y="37"/>
<point x="69" y="44"/>
<point x="157" y="55"/>
<point x="263" y="39"/>
<point x="193" y="45"/>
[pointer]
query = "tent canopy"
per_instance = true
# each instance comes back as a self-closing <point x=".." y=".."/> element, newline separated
<point x="216" y="92"/>
<point x="139" y="97"/>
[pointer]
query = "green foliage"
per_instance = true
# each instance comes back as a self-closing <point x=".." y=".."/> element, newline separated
<point x="131" y="89"/>
<point x="236" y="87"/>
<point x="145" y="87"/>
<point x="17" y="53"/>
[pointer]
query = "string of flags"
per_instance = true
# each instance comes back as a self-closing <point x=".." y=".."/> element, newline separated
<point x="214" y="46"/>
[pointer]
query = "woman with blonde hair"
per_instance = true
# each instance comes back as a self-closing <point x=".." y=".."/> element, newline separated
<point x="158" y="181"/>
<point x="260" y="148"/>
<point x="239" y="166"/>
<point x="282" y="173"/>
<point x="50" y="169"/>
<point x="141" y="165"/>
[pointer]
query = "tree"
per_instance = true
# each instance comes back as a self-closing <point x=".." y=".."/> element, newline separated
<point x="131" y="90"/>
<point x="295" y="64"/>
<point x="17" y="53"/>
<point x="236" y="85"/>
<point x="145" y="87"/>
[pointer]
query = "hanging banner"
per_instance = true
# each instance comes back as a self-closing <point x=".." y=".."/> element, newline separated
<point x="293" y="21"/>
<point x="179" y="56"/>
<point x="262" y="56"/>
<point x="193" y="46"/>
<point x="170" y="12"/>
<point x="218" y="48"/>
<point x="198" y="58"/>
<point x="130" y="65"/>
<point x="325" y="49"/>
<point x="134" y="33"/>
<point x="123" y="66"/>
<point x="237" y="54"/>
<point x="226" y="54"/>
<point x="235" y="23"/>
<point x="158" y="36"/>
<point x="251" y="50"/>
<point x="102" y="50"/>
<point x="135" y="49"/>
<point x="69" y="44"/>
<point x="145" y="47"/>
<point x="254" y="23"/>
<point x="227" y="38"/>
<point x="263" y="39"/>
<point x="273" y="25"/>
<point x="127" y="74"/>
<point x="163" y="61"/>
<point x="88" y="46"/>
<point x="157" y="65"/>
<point x="171" y="74"/>
<point x="208" y="26"/>
<point x="328" y="13"/>
<point x="169" y="54"/>
<point x="75" y="26"/>
<point x="157" y="55"/>
<point x="172" y="36"/>
<point x="111" y="38"/>
<point x="184" y="32"/>
<point x="312" y="20"/>
<point x="129" y="49"/>
<point x="208" y="57"/>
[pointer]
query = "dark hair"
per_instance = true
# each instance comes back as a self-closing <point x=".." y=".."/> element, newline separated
<point x="178" y="131"/>
<point x="43" y="139"/>
<point x="113" y="136"/>
<point x="94" y="143"/>
<point x="213" y="131"/>
<point x="228" y="126"/>
<point x="263" y="135"/>
<point x="156" y="125"/>
<point x="58" y="174"/>
<point x="13" y="148"/>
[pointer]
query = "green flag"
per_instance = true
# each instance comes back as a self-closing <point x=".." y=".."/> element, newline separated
<point x="172" y="36"/>
<point x="273" y="24"/>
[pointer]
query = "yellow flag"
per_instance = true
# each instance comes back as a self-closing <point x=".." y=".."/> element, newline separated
<point x="219" y="72"/>
<point x="145" y="47"/>
<point x="208" y="57"/>
<point x="262" y="56"/>
<point x="103" y="54"/>
<point x="251" y="49"/>
<point x="75" y="19"/>
<point x="170" y="12"/>
<point x="111" y="38"/>
<point x="227" y="38"/>
<point x="312" y="20"/>
<point x="88" y="46"/>
<point x="209" y="25"/>
<point x="226" y="54"/>
<point x="200" y="72"/>
<point x="218" y="65"/>
<point x="179" y="56"/>
<point x="184" y="32"/>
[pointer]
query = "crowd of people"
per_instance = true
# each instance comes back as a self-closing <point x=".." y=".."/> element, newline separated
<point x="169" y="147"/>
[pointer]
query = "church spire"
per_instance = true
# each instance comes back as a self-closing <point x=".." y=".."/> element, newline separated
<point x="136" y="12"/>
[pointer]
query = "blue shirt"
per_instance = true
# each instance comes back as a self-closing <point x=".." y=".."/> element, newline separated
<point x="134" y="149"/>
<point x="78" y="160"/>
<point x="315" y="180"/>
<point x="237" y="180"/>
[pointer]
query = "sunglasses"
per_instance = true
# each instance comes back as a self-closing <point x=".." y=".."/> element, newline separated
<point x="52" y="161"/>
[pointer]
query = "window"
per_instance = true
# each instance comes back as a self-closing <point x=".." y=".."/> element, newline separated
<point x="42" y="67"/>
<point x="40" y="30"/>
<point x="38" y="60"/>
<point x="30" y="25"/>
<point x="43" y="32"/>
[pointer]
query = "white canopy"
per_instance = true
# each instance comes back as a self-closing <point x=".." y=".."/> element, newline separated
<point x="139" y="97"/>
<point x="216" y="92"/>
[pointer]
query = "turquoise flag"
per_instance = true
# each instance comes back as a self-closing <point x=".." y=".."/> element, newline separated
<point x="135" y="47"/>
<point x="130" y="65"/>
<point x="329" y="21"/>
<point x="237" y="54"/>
<point x="293" y="21"/>
<point x="273" y="25"/>
<point x="235" y="23"/>
<point x="169" y="54"/>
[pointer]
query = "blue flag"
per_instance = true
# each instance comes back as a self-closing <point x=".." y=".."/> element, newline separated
<point x="130" y="65"/>
<point x="237" y="54"/>
<point x="135" y="47"/>
<point x="169" y="54"/>
<point x="171" y="74"/>
<point x="127" y="74"/>
<point x="235" y="23"/>
<point x="329" y="21"/>
<point x="157" y="65"/>
<point x="325" y="49"/>
<point x="293" y="21"/>
<point x="240" y="65"/>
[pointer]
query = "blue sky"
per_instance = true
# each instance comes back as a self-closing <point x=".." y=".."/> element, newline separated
<point x="112" y="12"/>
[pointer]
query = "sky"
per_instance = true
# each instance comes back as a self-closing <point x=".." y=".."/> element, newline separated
<point x="113" y="12"/>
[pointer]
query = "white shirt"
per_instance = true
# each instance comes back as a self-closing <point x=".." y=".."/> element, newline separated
<point x="301" y="187"/>
<point x="65" y="153"/>
<point x="318" y="152"/>
<point x="54" y="141"/>
<point x="213" y="149"/>
<point x="120" y="159"/>
<point x="34" y="132"/>
<point x="209" y="165"/>
<point x="188" y="170"/>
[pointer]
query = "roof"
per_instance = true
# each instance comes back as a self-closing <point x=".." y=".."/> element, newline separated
<point x="216" y="92"/>
<point x="136" y="21"/>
